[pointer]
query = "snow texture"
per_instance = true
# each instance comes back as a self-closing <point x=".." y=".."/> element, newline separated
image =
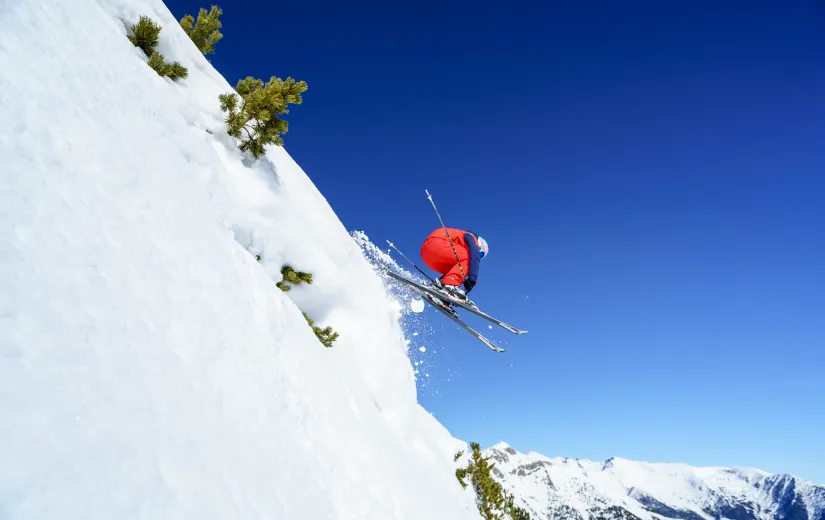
<point x="149" y="367"/>
<point x="420" y="328"/>
<point x="579" y="488"/>
<point x="417" y="305"/>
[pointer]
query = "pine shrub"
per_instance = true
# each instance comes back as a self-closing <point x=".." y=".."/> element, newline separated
<point x="326" y="336"/>
<point x="157" y="63"/>
<point x="294" y="277"/>
<point x="204" y="32"/>
<point x="253" y="110"/>
<point x="176" y="71"/>
<point x="492" y="501"/>
<point x="145" y="36"/>
<point x="515" y="512"/>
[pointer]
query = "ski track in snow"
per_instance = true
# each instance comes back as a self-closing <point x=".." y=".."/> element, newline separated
<point x="149" y="367"/>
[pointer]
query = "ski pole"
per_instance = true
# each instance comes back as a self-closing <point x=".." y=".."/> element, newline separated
<point x="410" y="261"/>
<point x="448" y="234"/>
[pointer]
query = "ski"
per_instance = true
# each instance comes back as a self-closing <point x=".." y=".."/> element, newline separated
<point x="450" y="313"/>
<point x="471" y="308"/>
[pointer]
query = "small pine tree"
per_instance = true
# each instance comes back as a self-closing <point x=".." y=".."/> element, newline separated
<point x="204" y="32"/>
<point x="254" y="117"/>
<point x="171" y="70"/>
<point x="326" y="336"/>
<point x="461" y="474"/>
<point x="492" y="501"/>
<point x="294" y="277"/>
<point x="515" y="512"/>
<point x="175" y="71"/>
<point x="145" y="35"/>
<point x="157" y="63"/>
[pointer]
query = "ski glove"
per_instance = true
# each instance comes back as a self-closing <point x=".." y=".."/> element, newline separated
<point x="468" y="285"/>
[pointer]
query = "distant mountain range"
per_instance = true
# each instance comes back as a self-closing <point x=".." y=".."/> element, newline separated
<point x="620" y="489"/>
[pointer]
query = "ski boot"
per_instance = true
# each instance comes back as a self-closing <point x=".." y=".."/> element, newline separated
<point x="452" y="292"/>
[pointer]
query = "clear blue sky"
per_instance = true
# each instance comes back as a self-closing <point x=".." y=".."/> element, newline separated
<point x="649" y="177"/>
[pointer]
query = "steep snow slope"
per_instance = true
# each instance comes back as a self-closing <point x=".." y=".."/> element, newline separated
<point x="149" y="367"/>
<point x="624" y="489"/>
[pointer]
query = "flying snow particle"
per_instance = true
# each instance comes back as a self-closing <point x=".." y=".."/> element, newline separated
<point x="417" y="305"/>
<point x="423" y="349"/>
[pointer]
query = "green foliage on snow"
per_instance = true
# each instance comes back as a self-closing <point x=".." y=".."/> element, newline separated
<point x="157" y="63"/>
<point x="171" y="70"/>
<point x="326" y="336"/>
<point x="252" y="111"/>
<point x="145" y="36"/>
<point x="492" y="501"/>
<point x="175" y="71"/>
<point x="516" y="512"/>
<point x="294" y="277"/>
<point x="204" y="32"/>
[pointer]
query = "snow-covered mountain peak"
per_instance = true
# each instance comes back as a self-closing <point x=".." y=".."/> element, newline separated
<point x="617" y="488"/>
<point x="504" y="447"/>
<point x="611" y="463"/>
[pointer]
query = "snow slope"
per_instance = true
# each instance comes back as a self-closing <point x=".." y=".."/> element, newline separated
<point x="149" y="367"/>
<point x="624" y="489"/>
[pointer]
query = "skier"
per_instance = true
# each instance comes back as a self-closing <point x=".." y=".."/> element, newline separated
<point x="439" y="253"/>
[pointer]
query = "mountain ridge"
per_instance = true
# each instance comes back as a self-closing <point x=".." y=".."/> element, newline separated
<point x="619" y="488"/>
